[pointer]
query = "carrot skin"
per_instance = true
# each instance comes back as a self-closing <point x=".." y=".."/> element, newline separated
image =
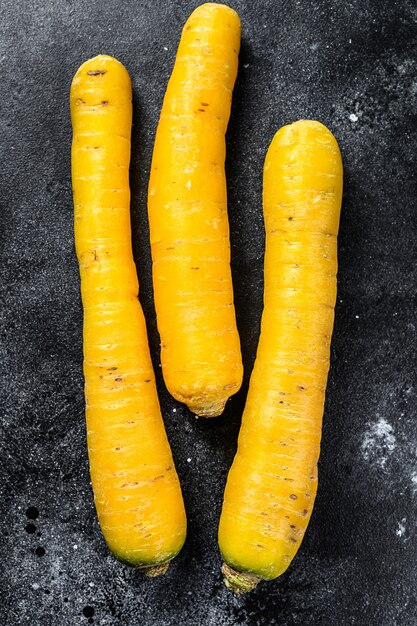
<point x="272" y="483"/>
<point x="187" y="205"/>
<point x="136" y="489"/>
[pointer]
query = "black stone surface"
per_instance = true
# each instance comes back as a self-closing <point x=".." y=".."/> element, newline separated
<point x="352" y="65"/>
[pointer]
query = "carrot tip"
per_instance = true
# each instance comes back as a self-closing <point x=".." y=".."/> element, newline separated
<point x="213" y="410"/>
<point x="155" y="570"/>
<point x="239" y="582"/>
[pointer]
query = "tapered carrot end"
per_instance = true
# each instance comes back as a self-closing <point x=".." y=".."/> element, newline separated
<point x="239" y="582"/>
<point x="155" y="570"/>
<point x="212" y="410"/>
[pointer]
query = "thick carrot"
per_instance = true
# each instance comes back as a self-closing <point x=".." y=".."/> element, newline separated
<point x="136" y="489"/>
<point x="272" y="484"/>
<point x="200" y="348"/>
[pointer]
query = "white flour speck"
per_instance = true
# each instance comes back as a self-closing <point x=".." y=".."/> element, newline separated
<point x="414" y="481"/>
<point x="353" y="117"/>
<point x="401" y="528"/>
<point x="357" y="317"/>
<point x="165" y="48"/>
<point x="246" y="65"/>
<point x="188" y="460"/>
<point x="379" y="442"/>
<point x="35" y="586"/>
<point x="174" y="410"/>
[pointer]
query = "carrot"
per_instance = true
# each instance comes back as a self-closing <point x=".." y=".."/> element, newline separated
<point x="136" y="489"/>
<point x="200" y="348"/>
<point x="272" y="484"/>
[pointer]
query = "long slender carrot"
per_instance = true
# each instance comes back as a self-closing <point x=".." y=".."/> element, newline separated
<point x="272" y="484"/>
<point x="200" y="348"/>
<point x="137" y="493"/>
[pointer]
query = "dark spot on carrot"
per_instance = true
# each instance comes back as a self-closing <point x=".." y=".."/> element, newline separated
<point x="204" y="104"/>
<point x="293" y="496"/>
<point x="305" y="511"/>
<point x="112" y="369"/>
<point x="292" y="526"/>
<point x="301" y="387"/>
<point x="79" y="101"/>
<point x="147" y="380"/>
<point x="281" y="401"/>
<point x="104" y="102"/>
<point x="118" y="379"/>
<point x="258" y="545"/>
<point x="289" y="480"/>
<point x="169" y="468"/>
<point x="101" y="377"/>
<point x="287" y="516"/>
<point x="293" y="539"/>
<point x="157" y="478"/>
<point x="201" y="110"/>
<point x="290" y="219"/>
<point x="195" y="268"/>
<point x="117" y="450"/>
<point x="96" y="72"/>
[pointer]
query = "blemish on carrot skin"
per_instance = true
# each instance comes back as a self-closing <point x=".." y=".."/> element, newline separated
<point x="79" y="101"/>
<point x="104" y="102"/>
<point x="292" y="526"/>
<point x="293" y="539"/>
<point x="201" y="110"/>
<point x="293" y="496"/>
<point x="147" y="380"/>
<point x="96" y="72"/>
<point x="194" y="268"/>
<point x="204" y="104"/>
<point x="305" y="511"/>
<point x="301" y="387"/>
<point x="118" y="379"/>
<point x="112" y="369"/>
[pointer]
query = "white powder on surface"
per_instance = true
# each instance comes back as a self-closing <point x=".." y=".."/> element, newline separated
<point x="379" y="442"/>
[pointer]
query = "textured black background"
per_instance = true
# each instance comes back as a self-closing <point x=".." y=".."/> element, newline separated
<point x="351" y="65"/>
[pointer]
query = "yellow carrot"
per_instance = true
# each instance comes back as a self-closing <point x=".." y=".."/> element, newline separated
<point x="137" y="494"/>
<point x="200" y="348"/>
<point x="272" y="484"/>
